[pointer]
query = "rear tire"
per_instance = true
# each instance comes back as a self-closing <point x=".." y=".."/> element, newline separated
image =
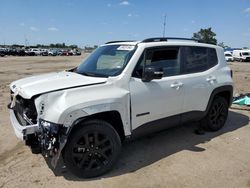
<point x="92" y="149"/>
<point x="217" y="115"/>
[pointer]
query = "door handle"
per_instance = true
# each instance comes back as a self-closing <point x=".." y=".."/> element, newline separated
<point x="211" y="79"/>
<point x="176" y="85"/>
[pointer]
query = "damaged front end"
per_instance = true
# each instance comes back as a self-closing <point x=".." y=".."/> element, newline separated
<point x="49" y="137"/>
<point x="42" y="136"/>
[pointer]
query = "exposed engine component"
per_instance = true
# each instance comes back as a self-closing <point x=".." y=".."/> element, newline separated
<point x="25" y="111"/>
<point x="49" y="138"/>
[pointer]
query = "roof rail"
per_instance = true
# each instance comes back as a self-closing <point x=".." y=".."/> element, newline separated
<point x="161" y="39"/>
<point x="116" y="41"/>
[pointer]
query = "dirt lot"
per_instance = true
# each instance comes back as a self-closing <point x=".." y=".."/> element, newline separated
<point x="174" y="158"/>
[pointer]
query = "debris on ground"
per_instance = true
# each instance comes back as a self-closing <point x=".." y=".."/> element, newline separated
<point x="242" y="99"/>
<point x="241" y="102"/>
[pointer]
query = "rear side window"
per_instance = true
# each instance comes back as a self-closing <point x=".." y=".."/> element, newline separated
<point x="212" y="58"/>
<point x="198" y="59"/>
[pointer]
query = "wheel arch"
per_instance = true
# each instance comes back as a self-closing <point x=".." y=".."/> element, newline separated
<point x="112" y="117"/>
<point x="222" y="91"/>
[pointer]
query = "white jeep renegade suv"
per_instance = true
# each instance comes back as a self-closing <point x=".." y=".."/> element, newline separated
<point x="122" y="89"/>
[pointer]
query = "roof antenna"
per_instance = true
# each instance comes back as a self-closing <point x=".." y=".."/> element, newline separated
<point x="164" y="25"/>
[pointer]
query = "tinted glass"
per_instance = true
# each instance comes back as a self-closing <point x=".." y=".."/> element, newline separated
<point x="165" y="59"/>
<point x="212" y="58"/>
<point x="198" y="59"/>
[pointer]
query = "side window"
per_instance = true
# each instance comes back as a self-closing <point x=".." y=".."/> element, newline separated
<point x="138" y="70"/>
<point x="212" y="58"/>
<point x="198" y="59"/>
<point x="194" y="59"/>
<point x="166" y="59"/>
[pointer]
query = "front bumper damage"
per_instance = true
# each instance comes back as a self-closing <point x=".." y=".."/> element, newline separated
<point x="44" y="137"/>
<point x="22" y="131"/>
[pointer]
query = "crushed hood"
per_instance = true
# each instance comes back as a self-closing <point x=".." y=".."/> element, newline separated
<point x="28" y="87"/>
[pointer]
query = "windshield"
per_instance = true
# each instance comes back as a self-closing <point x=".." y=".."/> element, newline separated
<point x="106" y="61"/>
<point x="228" y="55"/>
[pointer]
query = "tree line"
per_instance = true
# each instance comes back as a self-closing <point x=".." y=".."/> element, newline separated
<point x="208" y="36"/>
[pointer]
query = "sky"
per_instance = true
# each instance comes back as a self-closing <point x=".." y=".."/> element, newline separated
<point x="94" y="22"/>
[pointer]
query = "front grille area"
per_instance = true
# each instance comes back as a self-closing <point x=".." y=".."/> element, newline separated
<point x="25" y="107"/>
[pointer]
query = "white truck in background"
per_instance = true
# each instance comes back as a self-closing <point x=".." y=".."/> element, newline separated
<point x="241" y="55"/>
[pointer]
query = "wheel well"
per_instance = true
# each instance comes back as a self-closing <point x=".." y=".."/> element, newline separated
<point x="112" y="117"/>
<point x="226" y="95"/>
<point x="224" y="91"/>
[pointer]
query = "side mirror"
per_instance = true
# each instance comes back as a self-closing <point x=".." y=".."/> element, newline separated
<point x="151" y="73"/>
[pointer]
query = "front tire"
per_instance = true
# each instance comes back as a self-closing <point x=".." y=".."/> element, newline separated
<point x="92" y="149"/>
<point x="217" y="115"/>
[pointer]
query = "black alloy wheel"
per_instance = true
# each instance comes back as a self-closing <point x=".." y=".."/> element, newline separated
<point x="217" y="115"/>
<point x="92" y="149"/>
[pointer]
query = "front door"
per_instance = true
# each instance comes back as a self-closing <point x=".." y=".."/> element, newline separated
<point x="159" y="98"/>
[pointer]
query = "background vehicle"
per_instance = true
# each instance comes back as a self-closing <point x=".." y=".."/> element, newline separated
<point x="123" y="89"/>
<point x="66" y="52"/>
<point x="241" y="55"/>
<point x="36" y="51"/>
<point x="76" y="52"/>
<point x="228" y="56"/>
<point x="2" y="52"/>
<point x="15" y="52"/>
<point x="53" y="52"/>
<point x="44" y="52"/>
<point x="28" y="52"/>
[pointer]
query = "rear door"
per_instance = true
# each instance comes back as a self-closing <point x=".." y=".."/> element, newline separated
<point x="198" y="66"/>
